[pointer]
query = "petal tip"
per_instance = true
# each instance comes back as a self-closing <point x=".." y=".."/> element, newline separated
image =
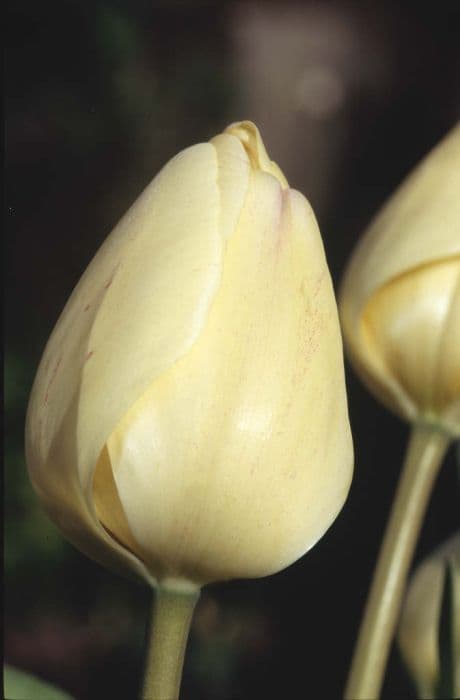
<point x="249" y="136"/>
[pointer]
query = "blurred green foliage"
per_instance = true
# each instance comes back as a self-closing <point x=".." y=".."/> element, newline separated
<point x="30" y="538"/>
<point x="19" y="685"/>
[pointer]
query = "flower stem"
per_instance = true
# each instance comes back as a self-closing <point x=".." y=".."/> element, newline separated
<point x="172" y="615"/>
<point x="426" y="449"/>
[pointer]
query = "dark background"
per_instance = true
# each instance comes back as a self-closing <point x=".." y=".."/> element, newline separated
<point x="99" y="95"/>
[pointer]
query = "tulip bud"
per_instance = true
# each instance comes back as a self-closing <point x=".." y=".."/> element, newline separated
<point x="188" y="420"/>
<point x="400" y="299"/>
<point x="418" y="633"/>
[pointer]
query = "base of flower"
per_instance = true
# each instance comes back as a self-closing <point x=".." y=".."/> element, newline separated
<point x="172" y="615"/>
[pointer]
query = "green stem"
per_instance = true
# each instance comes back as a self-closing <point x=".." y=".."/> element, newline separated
<point x="172" y="615"/>
<point x="426" y="449"/>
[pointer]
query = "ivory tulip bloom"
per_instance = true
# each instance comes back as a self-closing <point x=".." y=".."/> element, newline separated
<point x="419" y="625"/>
<point x="188" y="420"/>
<point x="400" y="300"/>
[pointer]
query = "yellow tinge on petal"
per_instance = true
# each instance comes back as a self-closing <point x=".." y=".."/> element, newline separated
<point x="196" y="425"/>
<point x="249" y="136"/>
<point x="422" y="339"/>
<point x="400" y="298"/>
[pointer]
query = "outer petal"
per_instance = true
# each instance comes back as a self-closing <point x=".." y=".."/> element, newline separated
<point x="411" y="329"/>
<point x="239" y="457"/>
<point x="419" y="226"/>
<point x="140" y="306"/>
<point x="449" y="369"/>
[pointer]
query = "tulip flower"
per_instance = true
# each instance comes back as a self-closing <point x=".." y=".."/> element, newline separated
<point x="419" y="627"/>
<point x="400" y="313"/>
<point x="400" y="299"/>
<point x="188" y="421"/>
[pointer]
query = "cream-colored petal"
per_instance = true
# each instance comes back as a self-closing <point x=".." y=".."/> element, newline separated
<point x="159" y="296"/>
<point x="418" y="227"/>
<point x="408" y="335"/>
<point x="239" y="457"/>
<point x="418" y="631"/>
<point x="448" y="377"/>
<point x="233" y="180"/>
<point x="248" y="134"/>
<point x="138" y="308"/>
<point x="419" y="224"/>
<point x="419" y="623"/>
<point x="108" y="505"/>
<point x="63" y="498"/>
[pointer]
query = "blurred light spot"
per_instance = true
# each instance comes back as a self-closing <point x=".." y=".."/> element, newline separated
<point x="320" y="91"/>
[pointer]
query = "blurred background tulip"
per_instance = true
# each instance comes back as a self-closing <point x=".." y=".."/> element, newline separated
<point x="433" y="586"/>
<point x="400" y="298"/>
<point x="400" y="313"/>
<point x="98" y="97"/>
